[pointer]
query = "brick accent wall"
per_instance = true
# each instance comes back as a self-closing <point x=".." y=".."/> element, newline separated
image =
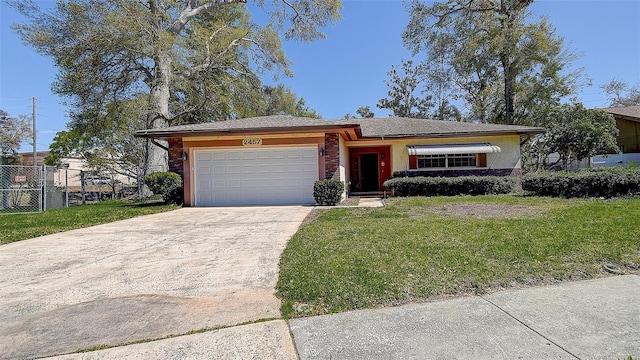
<point x="332" y="156"/>
<point x="175" y="156"/>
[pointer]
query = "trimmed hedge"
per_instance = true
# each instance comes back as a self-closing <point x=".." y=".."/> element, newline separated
<point x="328" y="191"/>
<point x="166" y="184"/>
<point x="451" y="186"/>
<point x="608" y="183"/>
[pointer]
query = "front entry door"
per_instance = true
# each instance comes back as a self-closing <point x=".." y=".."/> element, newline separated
<point x="369" y="172"/>
<point x="369" y="168"/>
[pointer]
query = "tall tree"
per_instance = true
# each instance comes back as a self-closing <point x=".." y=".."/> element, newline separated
<point x="621" y="94"/>
<point x="193" y="58"/>
<point x="506" y="66"/>
<point x="13" y="132"/>
<point x="438" y="78"/>
<point x="402" y="98"/>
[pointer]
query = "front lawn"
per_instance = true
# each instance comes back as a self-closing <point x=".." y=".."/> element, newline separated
<point x="416" y="249"/>
<point x="25" y="226"/>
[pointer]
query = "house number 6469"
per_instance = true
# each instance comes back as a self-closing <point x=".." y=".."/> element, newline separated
<point x="249" y="142"/>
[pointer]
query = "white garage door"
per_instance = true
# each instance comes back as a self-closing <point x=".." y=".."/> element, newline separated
<point x="255" y="176"/>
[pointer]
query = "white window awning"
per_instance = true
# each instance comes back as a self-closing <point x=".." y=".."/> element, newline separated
<point x="453" y="149"/>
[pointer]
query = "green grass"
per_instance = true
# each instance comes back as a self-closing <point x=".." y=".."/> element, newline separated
<point x="414" y="249"/>
<point x="25" y="226"/>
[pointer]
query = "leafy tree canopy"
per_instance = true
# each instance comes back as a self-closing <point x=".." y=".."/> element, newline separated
<point x="278" y="100"/>
<point x="401" y="97"/>
<point x="195" y="61"/>
<point x="621" y="94"/>
<point x="575" y="132"/>
<point x="365" y="112"/>
<point x="506" y="66"/>
<point x="13" y="132"/>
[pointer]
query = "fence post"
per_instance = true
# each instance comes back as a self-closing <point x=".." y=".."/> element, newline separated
<point x="66" y="184"/>
<point x="43" y="186"/>
<point x="82" y="189"/>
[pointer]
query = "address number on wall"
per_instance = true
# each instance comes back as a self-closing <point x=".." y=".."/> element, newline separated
<point x="249" y="142"/>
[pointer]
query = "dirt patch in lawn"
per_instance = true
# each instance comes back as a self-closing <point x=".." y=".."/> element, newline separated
<point x="481" y="211"/>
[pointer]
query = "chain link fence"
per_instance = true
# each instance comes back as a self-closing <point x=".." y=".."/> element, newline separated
<point x="20" y="189"/>
<point x="29" y="189"/>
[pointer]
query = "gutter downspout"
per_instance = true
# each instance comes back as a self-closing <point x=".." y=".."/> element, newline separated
<point x="154" y="142"/>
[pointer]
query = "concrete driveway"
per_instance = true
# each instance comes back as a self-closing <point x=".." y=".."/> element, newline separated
<point x="143" y="278"/>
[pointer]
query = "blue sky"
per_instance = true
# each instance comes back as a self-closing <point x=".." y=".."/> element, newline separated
<point x="347" y="69"/>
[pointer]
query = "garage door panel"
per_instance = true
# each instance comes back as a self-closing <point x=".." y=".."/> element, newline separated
<point x="264" y="168"/>
<point x="219" y="170"/>
<point x="279" y="154"/>
<point x="205" y="170"/>
<point x="230" y="155"/>
<point x="310" y="153"/>
<point x="232" y="170"/>
<point x="248" y="156"/>
<point x="255" y="176"/>
<point x="203" y="156"/>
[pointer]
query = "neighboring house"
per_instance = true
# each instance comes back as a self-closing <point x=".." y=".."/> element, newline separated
<point x="70" y="174"/>
<point x="628" y="139"/>
<point x="276" y="159"/>
<point x="26" y="158"/>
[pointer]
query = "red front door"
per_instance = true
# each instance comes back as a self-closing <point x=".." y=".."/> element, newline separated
<point x="370" y="168"/>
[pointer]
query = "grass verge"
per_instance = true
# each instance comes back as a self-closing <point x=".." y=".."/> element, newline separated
<point x="25" y="226"/>
<point x="415" y="249"/>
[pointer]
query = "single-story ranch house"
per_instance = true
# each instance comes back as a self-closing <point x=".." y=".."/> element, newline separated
<point x="277" y="159"/>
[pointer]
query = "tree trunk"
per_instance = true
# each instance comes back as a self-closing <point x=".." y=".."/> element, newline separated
<point x="508" y="12"/>
<point x="508" y="94"/>
<point x="158" y="117"/>
<point x="158" y="157"/>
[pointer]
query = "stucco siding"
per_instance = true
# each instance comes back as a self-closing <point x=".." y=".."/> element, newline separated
<point x="508" y="158"/>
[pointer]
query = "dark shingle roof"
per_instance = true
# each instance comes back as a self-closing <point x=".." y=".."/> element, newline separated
<point x="404" y="127"/>
<point x="263" y="122"/>
<point x="370" y="127"/>
<point x="627" y="111"/>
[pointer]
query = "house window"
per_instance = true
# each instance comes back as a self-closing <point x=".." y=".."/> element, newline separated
<point x="432" y="161"/>
<point x="447" y="161"/>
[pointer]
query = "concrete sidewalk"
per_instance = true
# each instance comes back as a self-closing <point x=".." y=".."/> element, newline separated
<point x="595" y="319"/>
<point x="371" y="202"/>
